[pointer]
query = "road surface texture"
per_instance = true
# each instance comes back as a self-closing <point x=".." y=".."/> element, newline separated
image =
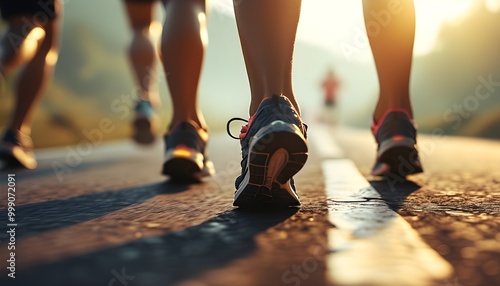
<point x="103" y="215"/>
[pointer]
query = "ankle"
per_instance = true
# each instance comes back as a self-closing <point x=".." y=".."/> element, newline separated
<point x="255" y="102"/>
<point x="151" y="97"/>
<point x="381" y="111"/>
<point x="176" y="121"/>
<point x="23" y="129"/>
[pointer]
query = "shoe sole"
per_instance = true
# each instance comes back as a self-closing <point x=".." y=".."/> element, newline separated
<point x="401" y="158"/>
<point x="143" y="131"/>
<point x="189" y="168"/>
<point x="276" y="153"/>
<point x="15" y="157"/>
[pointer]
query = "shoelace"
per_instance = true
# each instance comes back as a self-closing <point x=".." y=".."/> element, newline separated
<point x="244" y="128"/>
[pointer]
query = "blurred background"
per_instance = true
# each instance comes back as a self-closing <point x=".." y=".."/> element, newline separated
<point x="457" y="50"/>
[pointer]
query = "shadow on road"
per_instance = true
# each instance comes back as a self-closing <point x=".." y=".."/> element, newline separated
<point x="394" y="194"/>
<point x="165" y="259"/>
<point x="46" y="170"/>
<point x="50" y="215"/>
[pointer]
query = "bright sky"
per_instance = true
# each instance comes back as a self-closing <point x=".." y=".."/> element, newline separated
<point x="343" y="21"/>
<point x="331" y="23"/>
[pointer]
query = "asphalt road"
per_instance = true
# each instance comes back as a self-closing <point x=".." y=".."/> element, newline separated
<point x="103" y="215"/>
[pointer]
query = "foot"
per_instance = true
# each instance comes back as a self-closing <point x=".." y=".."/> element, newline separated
<point x="274" y="148"/>
<point x="185" y="155"/>
<point x="397" y="154"/>
<point x="145" y="123"/>
<point x="16" y="150"/>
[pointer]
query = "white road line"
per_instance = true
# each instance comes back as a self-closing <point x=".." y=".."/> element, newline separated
<point x="371" y="244"/>
<point x="323" y="141"/>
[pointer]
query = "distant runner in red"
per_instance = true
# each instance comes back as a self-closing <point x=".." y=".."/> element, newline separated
<point x="330" y="86"/>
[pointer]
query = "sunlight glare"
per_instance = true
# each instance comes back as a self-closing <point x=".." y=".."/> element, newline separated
<point x="493" y="5"/>
<point x="432" y="15"/>
<point x="202" y="19"/>
<point x="330" y="23"/>
<point x="51" y="58"/>
<point x="155" y="29"/>
<point x="446" y="9"/>
<point x="32" y="42"/>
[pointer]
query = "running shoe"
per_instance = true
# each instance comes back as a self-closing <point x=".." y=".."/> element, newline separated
<point x="186" y="155"/>
<point x="16" y="150"/>
<point x="397" y="153"/>
<point x="145" y="123"/>
<point x="274" y="148"/>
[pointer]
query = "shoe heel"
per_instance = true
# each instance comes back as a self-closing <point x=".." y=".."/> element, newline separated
<point x="143" y="131"/>
<point x="403" y="160"/>
<point x="183" y="164"/>
<point x="181" y="169"/>
<point x="276" y="155"/>
<point x="293" y="166"/>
